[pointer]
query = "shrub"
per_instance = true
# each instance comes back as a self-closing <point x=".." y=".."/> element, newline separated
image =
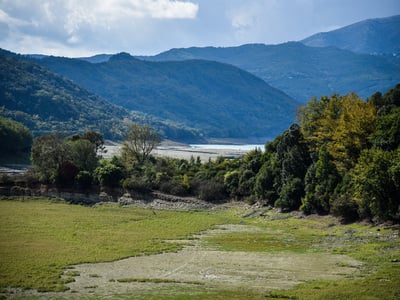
<point x="84" y="179"/>
<point x="173" y="188"/>
<point x="67" y="173"/>
<point x="137" y="184"/>
<point x="108" y="174"/>
<point x="210" y="190"/>
<point x="290" y="195"/>
<point x="345" y="208"/>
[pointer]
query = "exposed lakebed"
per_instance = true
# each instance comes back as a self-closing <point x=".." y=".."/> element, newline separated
<point x="201" y="264"/>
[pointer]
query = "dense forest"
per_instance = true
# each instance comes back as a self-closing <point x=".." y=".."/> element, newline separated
<point x="46" y="102"/>
<point x="218" y="99"/>
<point x="341" y="158"/>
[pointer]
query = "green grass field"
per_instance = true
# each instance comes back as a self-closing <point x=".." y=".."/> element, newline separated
<point x="40" y="238"/>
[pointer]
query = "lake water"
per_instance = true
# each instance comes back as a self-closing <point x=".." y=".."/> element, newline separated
<point x="245" y="147"/>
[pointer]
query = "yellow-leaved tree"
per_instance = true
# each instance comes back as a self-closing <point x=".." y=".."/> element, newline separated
<point x="342" y="124"/>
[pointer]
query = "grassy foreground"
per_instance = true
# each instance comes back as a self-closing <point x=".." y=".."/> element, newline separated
<point x="40" y="238"/>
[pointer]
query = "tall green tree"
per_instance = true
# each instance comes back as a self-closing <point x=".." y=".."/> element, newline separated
<point x="321" y="180"/>
<point x="15" y="138"/>
<point x="83" y="154"/>
<point x="293" y="159"/>
<point x="375" y="184"/>
<point x="387" y="133"/>
<point x="48" y="154"/>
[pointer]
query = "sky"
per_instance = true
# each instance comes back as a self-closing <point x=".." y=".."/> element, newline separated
<point x="76" y="28"/>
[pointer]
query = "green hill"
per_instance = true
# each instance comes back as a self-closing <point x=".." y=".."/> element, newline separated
<point x="46" y="102"/>
<point x="220" y="100"/>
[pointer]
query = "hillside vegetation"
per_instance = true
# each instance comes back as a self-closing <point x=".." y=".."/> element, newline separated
<point x="218" y="99"/>
<point x="46" y="103"/>
<point x="342" y="158"/>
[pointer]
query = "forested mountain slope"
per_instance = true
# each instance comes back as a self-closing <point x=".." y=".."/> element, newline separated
<point x="220" y="100"/>
<point x="46" y="102"/>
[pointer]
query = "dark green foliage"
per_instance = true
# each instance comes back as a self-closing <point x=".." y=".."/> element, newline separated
<point x="290" y="194"/>
<point x="246" y="183"/>
<point x="174" y="188"/>
<point x="231" y="182"/>
<point x="321" y="180"/>
<point x="84" y="179"/>
<point x="265" y="184"/>
<point x="240" y="182"/>
<point x="136" y="184"/>
<point x="387" y="133"/>
<point x="83" y="154"/>
<point x="56" y="159"/>
<point x="67" y="173"/>
<point x="345" y="208"/>
<point x="15" y="138"/>
<point x="293" y="160"/>
<point x="210" y="190"/>
<point x="368" y="187"/>
<point x="48" y="154"/>
<point x="108" y="174"/>
<point x="375" y="183"/>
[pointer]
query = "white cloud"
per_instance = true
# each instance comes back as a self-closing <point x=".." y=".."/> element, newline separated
<point x="107" y="24"/>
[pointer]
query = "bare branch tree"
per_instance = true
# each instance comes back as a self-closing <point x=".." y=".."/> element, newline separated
<point x="140" y="141"/>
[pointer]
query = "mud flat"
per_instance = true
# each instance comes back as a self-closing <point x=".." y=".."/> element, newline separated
<point x="199" y="265"/>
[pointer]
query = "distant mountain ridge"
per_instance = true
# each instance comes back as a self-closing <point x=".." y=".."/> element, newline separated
<point x="374" y="36"/>
<point x="220" y="100"/>
<point x="299" y="70"/>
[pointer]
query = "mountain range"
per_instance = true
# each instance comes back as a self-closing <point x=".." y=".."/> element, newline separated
<point x="304" y="71"/>
<point x="193" y="94"/>
<point x="374" y="36"/>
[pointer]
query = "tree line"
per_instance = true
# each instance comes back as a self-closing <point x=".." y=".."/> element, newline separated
<point x="342" y="157"/>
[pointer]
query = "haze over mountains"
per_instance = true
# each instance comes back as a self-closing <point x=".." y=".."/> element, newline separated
<point x="245" y="92"/>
